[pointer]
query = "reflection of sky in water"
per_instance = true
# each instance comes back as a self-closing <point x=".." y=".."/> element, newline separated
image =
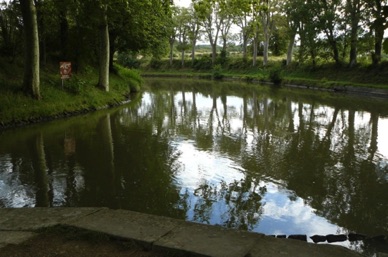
<point x="383" y="137"/>
<point x="12" y="192"/>
<point x="281" y="216"/>
<point x="283" y="213"/>
<point x="209" y="163"/>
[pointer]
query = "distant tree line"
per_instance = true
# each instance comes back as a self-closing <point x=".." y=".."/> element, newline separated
<point x="340" y="30"/>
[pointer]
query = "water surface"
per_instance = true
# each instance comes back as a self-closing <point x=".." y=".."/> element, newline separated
<point x="275" y="161"/>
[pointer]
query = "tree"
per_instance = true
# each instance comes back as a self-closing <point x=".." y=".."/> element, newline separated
<point x="293" y="20"/>
<point x="353" y="11"/>
<point x="194" y="31"/>
<point x="227" y="15"/>
<point x="267" y="9"/>
<point x="242" y="9"/>
<point x="254" y="23"/>
<point x="378" y="25"/>
<point x="103" y="78"/>
<point x="10" y="30"/>
<point x="183" y="27"/>
<point x="31" y="79"/>
<point x="208" y="12"/>
<point x="328" y="16"/>
<point x="172" y="27"/>
<point x="308" y="29"/>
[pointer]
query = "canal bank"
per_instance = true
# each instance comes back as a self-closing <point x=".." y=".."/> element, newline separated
<point x="161" y="234"/>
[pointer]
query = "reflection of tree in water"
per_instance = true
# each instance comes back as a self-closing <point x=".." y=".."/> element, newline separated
<point x="315" y="148"/>
<point x="237" y="204"/>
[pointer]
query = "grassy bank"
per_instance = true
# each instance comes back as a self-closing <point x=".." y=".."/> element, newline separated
<point x="77" y="95"/>
<point x="324" y="75"/>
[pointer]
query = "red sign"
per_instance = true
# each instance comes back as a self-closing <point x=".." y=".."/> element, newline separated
<point x="65" y="70"/>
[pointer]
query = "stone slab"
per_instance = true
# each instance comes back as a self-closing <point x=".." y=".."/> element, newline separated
<point x="138" y="227"/>
<point x="192" y="239"/>
<point x="270" y="247"/>
<point x="14" y="237"/>
<point x="35" y="218"/>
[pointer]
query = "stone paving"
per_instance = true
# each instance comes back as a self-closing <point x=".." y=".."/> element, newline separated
<point x="159" y="233"/>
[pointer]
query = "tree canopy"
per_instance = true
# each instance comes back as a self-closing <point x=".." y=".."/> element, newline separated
<point x="90" y="32"/>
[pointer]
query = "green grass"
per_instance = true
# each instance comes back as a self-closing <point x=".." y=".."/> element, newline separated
<point x="78" y="94"/>
<point x="324" y="75"/>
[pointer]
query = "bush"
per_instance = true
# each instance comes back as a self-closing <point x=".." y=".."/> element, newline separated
<point x="128" y="60"/>
<point x="217" y="72"/>
<point x="74" y="85"/>
<point x="156" y="63"/>
<point x="275" y="76"/>
<point x="204" y="63"/>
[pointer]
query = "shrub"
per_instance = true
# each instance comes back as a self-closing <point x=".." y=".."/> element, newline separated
<point x="204" y="63"/>
<point x="217" y="72"/>
<point x="156" y="63"/>
<point x="74" y="85"/>
<point x="275" y="76"/>
<point x="128" y="60"/>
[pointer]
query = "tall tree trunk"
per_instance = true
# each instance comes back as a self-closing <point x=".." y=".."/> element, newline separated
<point x="266" y="31"/>
<point x="183" y="57"/>
<point x="255" y="43"/>
<point x="103" y="80"/>
<point x="379" y="36"/>
<point x="290" y="47"/>
<point x="244" y="46"/>
<point x="354" y="19"/>
<point x="214" y="52"/>
<point x="172" y="40"/>
<point x="31" y="80"/>
<point x="193" y="52"/>
<point x="333" y="44"/>
<point x="42" y="32"/>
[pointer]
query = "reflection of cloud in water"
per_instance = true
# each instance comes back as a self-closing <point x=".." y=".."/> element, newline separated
<point x="13" y="194"/>
<point x="198" y="166"/>
<point x="383" y="137"/>
<point x="281" y="215"/>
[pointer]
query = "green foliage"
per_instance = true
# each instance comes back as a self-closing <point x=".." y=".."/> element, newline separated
<point x="156" y="63"/>
<point x="275" y="76"/>
<point x="385" y="46"/>
<point x="217" y="72"/>
<point x="128" y="60"/>
<point x="74" y="85"/>
<point x="223" y="58"/>
<point x="131" y="77"/>
<point x="79" y="94"/>
<point x="204" y="63"/>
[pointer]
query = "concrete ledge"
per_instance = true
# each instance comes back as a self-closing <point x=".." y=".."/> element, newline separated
<point x="14" y="237"/>
<point x="141" y="228"/>
<point x="35" y="218"/>
<point x="160" y="233"/>
<point x="204" y="240"/>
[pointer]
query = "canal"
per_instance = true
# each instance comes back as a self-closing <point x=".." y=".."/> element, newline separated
<point x="271" y="160"/>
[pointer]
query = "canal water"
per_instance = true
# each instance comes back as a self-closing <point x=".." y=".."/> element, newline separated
<point x="246" y="156"/>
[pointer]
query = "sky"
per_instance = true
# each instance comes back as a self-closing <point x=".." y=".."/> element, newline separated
<point x="182" y="3"/>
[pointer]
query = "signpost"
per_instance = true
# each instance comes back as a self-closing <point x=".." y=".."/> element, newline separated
<point x="65" y="70"/>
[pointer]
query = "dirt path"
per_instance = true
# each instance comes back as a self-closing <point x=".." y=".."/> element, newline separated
<point x="70" y="244"/>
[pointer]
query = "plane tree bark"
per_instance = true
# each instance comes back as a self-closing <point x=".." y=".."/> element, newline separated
<point x="31" y="78"/>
